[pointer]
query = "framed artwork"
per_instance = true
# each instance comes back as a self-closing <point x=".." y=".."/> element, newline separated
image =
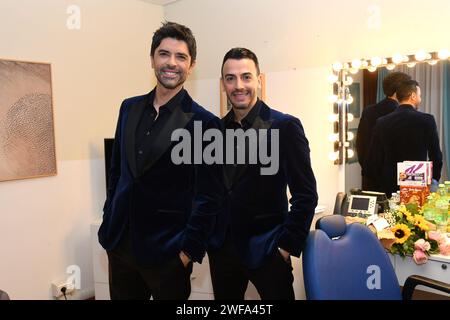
<point x="353" y="146"/>
<point x="27" y="140"/>
<point x="355" y="106"/>
<point x="225" y="105"/>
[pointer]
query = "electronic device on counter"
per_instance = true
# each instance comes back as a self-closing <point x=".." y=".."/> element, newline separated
<point x="362" y="205"/>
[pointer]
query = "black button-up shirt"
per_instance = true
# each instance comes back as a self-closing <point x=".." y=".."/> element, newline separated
<point x="231" y="170"/>
<point x="150" y="123"/>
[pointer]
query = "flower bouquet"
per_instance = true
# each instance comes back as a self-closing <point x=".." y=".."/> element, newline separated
<point x="413" y="235"/>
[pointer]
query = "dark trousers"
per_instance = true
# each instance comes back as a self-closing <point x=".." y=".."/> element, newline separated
<point x="130" y="281"/>
<point x="230" y="277"/>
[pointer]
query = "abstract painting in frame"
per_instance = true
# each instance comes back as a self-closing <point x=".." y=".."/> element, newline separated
<point x="27" y="140"/>
<point x="225" y="105"/>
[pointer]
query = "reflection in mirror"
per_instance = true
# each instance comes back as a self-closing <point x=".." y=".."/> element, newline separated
<point x="435" y="89"/>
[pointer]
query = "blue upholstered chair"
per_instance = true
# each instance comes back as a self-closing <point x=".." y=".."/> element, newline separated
<point x="348" y="262"/>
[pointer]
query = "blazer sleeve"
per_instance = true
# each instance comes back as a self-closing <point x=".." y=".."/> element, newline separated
<point x="302" y="186"/>
<point x="373" y="163"/>
<point x="362" y="135"/>
<point x="114" y="171"/>
<point x="434" y="150"/>
<point x="207" y="201"/>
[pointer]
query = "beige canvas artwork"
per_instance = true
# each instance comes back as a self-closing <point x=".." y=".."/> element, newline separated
<point x="27" y="142"/>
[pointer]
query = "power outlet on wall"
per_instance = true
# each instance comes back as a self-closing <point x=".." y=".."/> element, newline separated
<point x="57" y="288"/>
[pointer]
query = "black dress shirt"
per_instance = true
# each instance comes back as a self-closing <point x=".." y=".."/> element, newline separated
<point x="231" y="170"/>
<point x="152" y="122"/>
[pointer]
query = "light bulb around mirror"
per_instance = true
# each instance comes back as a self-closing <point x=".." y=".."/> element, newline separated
<point x="353" y="70"/>
<point x="397" y="58"/>
<point x="411" y="64"/>
<point x="405" y="58"/>
<point x="384" y="61"/>
<point x="350" y="136"/>
<point x="350" y="117"/>
<point x="333" y="137"/>
<point x="372" y="68"/>
<point x="364" y="63"/>
<point x="375" y="61"/>
<point x="390" y="66"/>
<point x="432" y="62"/>
<point x="420" y="55"/>
<point x="443" y="54"/>
<point x="337" y="66"/>
<point x="356" y="64"/>
<point x="349" y="99"/>
<point x="350" y="153"/>
<point x="333" y="156"/>
<point x="348" y="81"/>
<point x="333" y="117"/>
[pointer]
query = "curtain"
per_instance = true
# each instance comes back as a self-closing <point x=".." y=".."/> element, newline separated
<point x="382" y="73"/>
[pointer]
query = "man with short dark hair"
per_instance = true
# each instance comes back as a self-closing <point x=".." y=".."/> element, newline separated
<point x="158" y="215"/>
<point x="256" y="233"/>
<point x="403" y="135"/>
<point x="370" y="115"/>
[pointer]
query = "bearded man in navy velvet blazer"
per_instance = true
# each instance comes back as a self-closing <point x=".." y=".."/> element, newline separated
<point x="256" y="233"/>
<point x="158" y="214"/>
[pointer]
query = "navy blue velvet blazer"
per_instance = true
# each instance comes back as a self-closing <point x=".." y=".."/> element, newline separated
<point x="256" y="209"/>
<point x="168" y="207"/>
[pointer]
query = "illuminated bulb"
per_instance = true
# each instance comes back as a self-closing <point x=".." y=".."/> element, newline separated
<point x="420" y="55"/>
<point x="349" y="100"/>
<point x="405" y="58"/>
<point x="348" y="81"/>
<point x="372" y="68"/>
<point x="350" y="117"/>
<point x="333" y="137"/>
<point x="356" y="64"/>
<point x="350" y="136"/>
<point x="333" y="117"/>
<point x="346" y="66"/>
<point x="350" y="153"/>
<point x="411" y="64"/>
<point x="332" y="78"/>
<point x="353" y="71"/>
<point x="390" y="66"/>
<point x="443" y="54"/>
<point x="333" y="156"/>
<point x="376" y="61"/>
<point x="432" y="62"/>
<point x="333" y="98"/>
<point x="337" y="66"/>
<point x="364" y="63"/>
<point x="384" y="61"/>
<point x="397" y="58"/>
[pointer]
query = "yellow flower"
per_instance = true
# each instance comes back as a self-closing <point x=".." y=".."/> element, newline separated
<point x="419" y="221"/>
<point x="401" y="232"/>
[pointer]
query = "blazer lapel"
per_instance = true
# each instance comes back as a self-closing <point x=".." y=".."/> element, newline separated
<point x="130" y="132"/>
<point x="178" y="119"/>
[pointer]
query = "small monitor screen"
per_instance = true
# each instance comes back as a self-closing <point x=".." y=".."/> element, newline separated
<point x="360" y="203"/>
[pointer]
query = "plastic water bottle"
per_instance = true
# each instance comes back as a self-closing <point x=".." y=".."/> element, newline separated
<point x="429" y="210"/>
<point x="441" y="214"/>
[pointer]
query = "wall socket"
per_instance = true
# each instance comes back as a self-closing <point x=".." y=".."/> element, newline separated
<point x="57" y="286"/>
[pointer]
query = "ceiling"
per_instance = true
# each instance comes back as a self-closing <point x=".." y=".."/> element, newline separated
<point x="160" y="2"/>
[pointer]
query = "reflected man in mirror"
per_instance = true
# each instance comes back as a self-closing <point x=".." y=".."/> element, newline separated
<point x="403" y="135"/>
<point x="369" y="117"/>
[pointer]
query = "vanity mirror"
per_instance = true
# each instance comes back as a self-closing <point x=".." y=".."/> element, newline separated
<point x="358" y="84"/>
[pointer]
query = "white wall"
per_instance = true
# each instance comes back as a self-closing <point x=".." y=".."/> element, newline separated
<point x="45" y="222"/>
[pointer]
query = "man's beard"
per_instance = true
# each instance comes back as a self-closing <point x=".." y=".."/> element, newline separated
<point x="170" y="83"/>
